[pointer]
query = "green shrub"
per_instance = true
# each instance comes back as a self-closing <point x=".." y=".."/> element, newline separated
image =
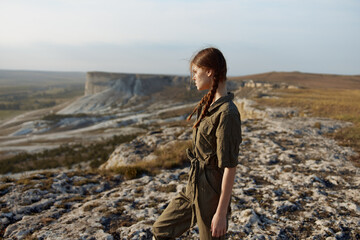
<point x="130" y="172"/>
<point x="64" y="156"/>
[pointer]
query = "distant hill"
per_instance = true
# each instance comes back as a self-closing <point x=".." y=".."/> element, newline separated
<point x="310" y="80"/>
<point x="16" y="77"/>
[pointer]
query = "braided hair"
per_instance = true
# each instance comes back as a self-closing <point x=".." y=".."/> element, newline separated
<point x="209" y="59"/>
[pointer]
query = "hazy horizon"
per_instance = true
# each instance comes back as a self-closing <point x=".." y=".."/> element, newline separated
<point x="159" y="37"/>
<point x="185" y="74"/>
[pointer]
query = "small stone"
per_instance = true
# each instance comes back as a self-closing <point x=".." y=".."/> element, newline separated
<point x="4" y="222"/>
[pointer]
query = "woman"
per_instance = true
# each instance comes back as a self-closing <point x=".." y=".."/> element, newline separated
<point x="216" y="140"/>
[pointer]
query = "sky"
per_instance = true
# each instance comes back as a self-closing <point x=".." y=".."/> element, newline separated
<point x="161" y="36"/>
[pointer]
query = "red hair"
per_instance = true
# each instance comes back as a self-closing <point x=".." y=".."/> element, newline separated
<point x="209" y="59"/>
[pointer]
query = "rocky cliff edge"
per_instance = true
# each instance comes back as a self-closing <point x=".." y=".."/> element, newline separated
<point x="104" y="91"/>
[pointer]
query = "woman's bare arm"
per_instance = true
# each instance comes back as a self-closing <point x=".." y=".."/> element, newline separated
<point x="218" y="224"/>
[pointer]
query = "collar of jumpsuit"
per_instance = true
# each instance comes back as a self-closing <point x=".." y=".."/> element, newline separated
<point x="220" y="101"/>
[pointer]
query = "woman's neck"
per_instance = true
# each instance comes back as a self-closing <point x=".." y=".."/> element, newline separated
<point x="220" y="91"/>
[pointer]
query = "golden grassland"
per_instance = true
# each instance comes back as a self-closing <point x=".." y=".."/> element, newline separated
<point x="7" y="114"/>
<point x="15" y="100"/>
<point x="340" y="104"/>
<point x="307" y="80"/>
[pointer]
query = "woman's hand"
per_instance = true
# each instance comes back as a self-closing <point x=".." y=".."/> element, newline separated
<point x="218" y="225"/>
<point x="218" y="222"/>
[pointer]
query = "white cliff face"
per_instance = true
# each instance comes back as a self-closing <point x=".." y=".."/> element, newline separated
<point x="104" y="91"/>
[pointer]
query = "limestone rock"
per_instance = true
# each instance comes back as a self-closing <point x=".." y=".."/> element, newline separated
<point x="142" y="147"/>
<point x="292" y="183"/>
<point x="104" y="90"/>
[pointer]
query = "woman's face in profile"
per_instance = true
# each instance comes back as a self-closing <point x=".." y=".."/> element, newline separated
<point x="201" y="77"/>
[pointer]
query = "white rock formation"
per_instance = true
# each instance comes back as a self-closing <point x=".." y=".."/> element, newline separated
<point x="106" y="90"/>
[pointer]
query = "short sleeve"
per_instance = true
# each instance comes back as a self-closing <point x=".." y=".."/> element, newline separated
<point x="228" y="139"/>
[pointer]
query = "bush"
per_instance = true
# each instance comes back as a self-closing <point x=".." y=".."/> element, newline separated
<point x="167" y="158"/>
<point x="130" y="172"/>
<point x="167" y="188"/>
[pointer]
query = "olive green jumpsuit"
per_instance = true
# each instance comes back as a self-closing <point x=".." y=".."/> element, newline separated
<point x="216" y="146"/>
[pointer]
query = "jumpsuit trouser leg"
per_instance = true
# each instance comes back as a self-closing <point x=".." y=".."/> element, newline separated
<point x="176" y="219"/>
<point x="183" y="211"/>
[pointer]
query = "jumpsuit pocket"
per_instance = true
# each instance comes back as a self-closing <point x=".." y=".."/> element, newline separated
<point x="206" y="133"/>
<point x="206" y="127"/>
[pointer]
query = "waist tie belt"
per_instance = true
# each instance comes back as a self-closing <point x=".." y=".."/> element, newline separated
<point x="193" y="180"/>
<point x="196" y="169"/>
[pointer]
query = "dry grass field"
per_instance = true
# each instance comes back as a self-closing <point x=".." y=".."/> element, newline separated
<point x="330" y="96"/>
<point x="167" y="158"/>
<point x="22" y="91"/>
<point x="307" y="80"/>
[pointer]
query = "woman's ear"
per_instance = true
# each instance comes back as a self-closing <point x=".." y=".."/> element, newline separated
<point x="209" y="72"/>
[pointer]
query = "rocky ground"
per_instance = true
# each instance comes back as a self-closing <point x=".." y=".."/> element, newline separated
<point x="292" y="183"/>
